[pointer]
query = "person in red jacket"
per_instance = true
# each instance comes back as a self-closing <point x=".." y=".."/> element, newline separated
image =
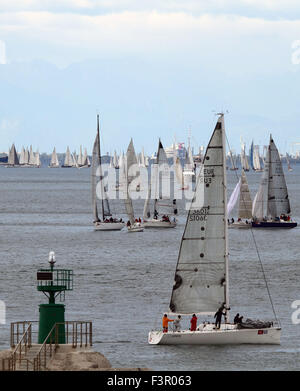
<point x="165" y="323"/>
<point x="193" y="323"/>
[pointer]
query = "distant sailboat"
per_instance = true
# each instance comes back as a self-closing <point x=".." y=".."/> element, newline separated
<point x="13" y="159"/>
<point x="201" y="283"/>
<point x="189" y="167"/>
<point x="69" y="162"/>
<point x="242" y="192"/>
<point x="131" y="161"/>
<point x="38" y="163"/>
<point x="54" y="160"/>
<point x="107" y="224"/>
<point x="244" y="159"/>
<point x="271" y="205"/>
<point x="163" y="207"/>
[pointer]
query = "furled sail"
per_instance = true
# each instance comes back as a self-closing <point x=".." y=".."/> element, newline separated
<point x="278" y="199"/>
<point x="201" y="278"/>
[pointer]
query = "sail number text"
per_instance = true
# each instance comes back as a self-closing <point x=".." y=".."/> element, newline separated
<point x="199" y="214"/>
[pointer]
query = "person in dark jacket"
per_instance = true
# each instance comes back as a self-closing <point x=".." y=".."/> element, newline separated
<point x="218" y="316"/>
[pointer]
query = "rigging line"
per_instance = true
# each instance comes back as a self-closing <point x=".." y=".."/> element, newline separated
<point x="258" y="255"/>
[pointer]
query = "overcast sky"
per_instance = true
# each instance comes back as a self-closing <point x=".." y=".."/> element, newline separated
<point x="151" y="69"/>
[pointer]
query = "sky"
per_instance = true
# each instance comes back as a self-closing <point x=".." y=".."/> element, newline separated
<point x="150" y="69"/>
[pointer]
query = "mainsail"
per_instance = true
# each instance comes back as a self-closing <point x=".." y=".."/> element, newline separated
<point x="129" y="177"/>
<point x="54" y="160"/>
<point x="278" y="199"/>
<point x="201" y="277"/>
<point x="68" y="159"/>
<point x="244" y="159"/>
<point x="260" y="202"/>
<point x="13" y="159"/>
<point x="97" y="172"/>
<point x="245" y="204"/>
<point x="32" y="158"/>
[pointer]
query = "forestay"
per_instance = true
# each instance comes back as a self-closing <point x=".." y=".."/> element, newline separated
<point x="201" y="277"/>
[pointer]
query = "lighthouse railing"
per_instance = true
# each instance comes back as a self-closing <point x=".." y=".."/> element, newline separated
<point x="22" y="347"/>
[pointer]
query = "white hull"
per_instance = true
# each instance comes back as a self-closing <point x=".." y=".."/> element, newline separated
<point x="108" y="226"/>
<point x="136" y="228"/>
<point x="241" y="225"/>
<point x="228" y="336"/>
<point x="159" y="224"/>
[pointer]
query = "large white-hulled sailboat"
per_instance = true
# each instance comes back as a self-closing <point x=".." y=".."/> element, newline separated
<point x="128" y="178"/>
<point x="107" y="224"/>
<point x="271" y="205"/>
<point x="164" y="207"/>
<point x="242" y="192"/>
<point x="201" y="283"/>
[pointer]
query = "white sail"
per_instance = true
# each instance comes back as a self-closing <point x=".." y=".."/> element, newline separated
<point x="37" y="159"/>
<point x="80" y="160"/>
<point x="245" y="204"/>
<point x="115" y="160"/>
<point x="201" y="277"/>
<point x="95" y="165"/>
<point x="54" y="160"/>
<point x="74" y="157"/>
<point x="260" y="202"/>
<point x="256" y="158"/>
<point x="121" y="160"/>
<point x="32" y="158"/>
<point x="68" y="159"/>
<point x="234" y="197"/>
<point x="13" y="159"/>
<point x="278" y="199"/>
<point x="131" y="161"/>
<point x="22" y="156"/>
<point x="244" y="159"/>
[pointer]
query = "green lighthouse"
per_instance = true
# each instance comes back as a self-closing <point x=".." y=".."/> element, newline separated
<point x="53" y="282"/>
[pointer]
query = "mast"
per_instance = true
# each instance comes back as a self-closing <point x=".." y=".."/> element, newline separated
<point x="226" y="288"/>
<point x="99" y="152"/>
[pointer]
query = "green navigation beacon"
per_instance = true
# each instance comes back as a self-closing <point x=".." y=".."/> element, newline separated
<point x="53" y="282"/>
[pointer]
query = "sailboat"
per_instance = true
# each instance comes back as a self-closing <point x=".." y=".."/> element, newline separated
<point x="271" y="205"/>
<point x="54" y="160"/>
<point x="201" y="283"/>
<point x="244" y="159"/>
<point x="242" y="192"/>
<point x="189" y="167"/>
<point x="38" y="163"/>
<point x="131" y="161"/>
<point x="106" y="224"/>
<point x="69" y="162"/>
<point x="163" y="207"/>
<point x="233" y="161"/>
<point x="13" y="159"/>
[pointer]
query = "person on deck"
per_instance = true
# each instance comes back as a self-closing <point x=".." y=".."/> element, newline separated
<point x="165" y="323"/>
<point x="128" y="223"/>
<point x="177" y="325"/>
<point x="218" y="316"/>
<point x="193" y="323"/>
<point x="236" y="318"/>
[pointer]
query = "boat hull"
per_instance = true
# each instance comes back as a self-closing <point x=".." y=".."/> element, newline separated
<point x="109" y="226"/>
<point x="159" y="224"/>
<point x="263" y="336"/>
<point x="241" y="225"/>
<point x="274" y="224"/>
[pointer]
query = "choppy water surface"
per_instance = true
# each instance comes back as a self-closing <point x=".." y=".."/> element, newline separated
<point x="123" y="281"/>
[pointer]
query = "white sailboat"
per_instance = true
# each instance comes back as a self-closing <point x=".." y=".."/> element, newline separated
<point x="244" y="159"/>
<point x="201" y="283"/>
<point x="189" y="167"/>
<point x="69" y="162"/>
<point x="163" y="207"/>
<point x="13" y="159"/>
<point x="54" y="160"/>
<point x="107" y="224"/>
<point x="116" y="161"/>
<point x="271" y="205"/>
<point x="32" y="158"/>
<point x="131" y="161"/>
<point x="22" y="157"/>
<point x="38" y="163"/>
<point x="242" y="193"/>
